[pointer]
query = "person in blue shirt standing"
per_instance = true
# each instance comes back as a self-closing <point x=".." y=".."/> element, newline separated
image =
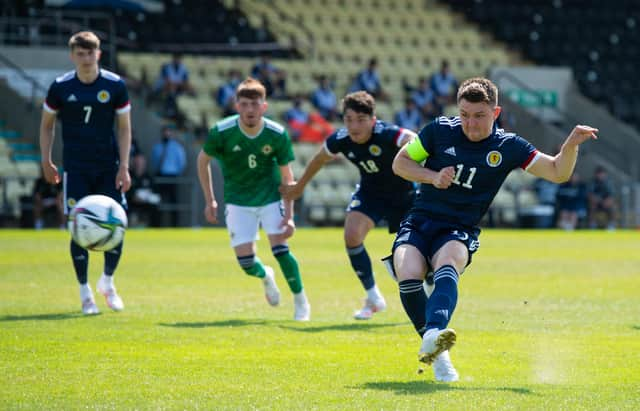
<point x="460" y="163"/>
<point x="370" y="145"/>
<point x="168" y="160"/>
<point x="89" y="101"/>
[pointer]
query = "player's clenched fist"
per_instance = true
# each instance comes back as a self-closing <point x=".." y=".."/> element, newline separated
<point x="444" y="178"/>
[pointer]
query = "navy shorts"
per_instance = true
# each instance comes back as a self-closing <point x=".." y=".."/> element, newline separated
<point x="429" y="235"/>
<point x="393" y="210"/>
<point x="77" y="185"/>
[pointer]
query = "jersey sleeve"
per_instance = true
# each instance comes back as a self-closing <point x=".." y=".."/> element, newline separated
<point x="332" y="144"/>
<point x="396" y="134"/>
<point x="121" y="101"/>
<point x="53" y="101"/>
<point x="525" y="153"/>
<point x="284" y="155"/>
<point x="213" y="144"/>
<point x="420" y="148"/>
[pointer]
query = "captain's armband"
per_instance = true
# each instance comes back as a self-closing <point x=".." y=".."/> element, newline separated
<point x="416" y="151"/>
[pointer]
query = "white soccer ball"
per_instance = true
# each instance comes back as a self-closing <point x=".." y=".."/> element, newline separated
<point x="97" y="223"/>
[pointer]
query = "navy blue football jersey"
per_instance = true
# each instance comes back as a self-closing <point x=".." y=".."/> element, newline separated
<point x="87" y="113"/>
<point x="373" y="158"/>
<point x="480" y="167"/>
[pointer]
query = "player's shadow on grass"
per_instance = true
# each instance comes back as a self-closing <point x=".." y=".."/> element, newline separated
<point x="355" y="326"/>
<point x="42" y="317"/>
<point x="427" y="387"/>
<point x="225" y="323"/>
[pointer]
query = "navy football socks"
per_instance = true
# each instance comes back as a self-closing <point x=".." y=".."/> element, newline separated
<point x="361" y="264"/>
<point x="414" y="301"/>
<point x="443" y="301"/>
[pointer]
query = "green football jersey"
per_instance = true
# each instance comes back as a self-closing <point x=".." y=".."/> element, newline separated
<point x="250" y="165"/>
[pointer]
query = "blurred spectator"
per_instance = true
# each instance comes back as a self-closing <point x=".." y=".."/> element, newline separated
<point x="273" y="78"/>
<point x="546" y="191"/>
<point x="409" y="117"/>
<point x="173" y="81"/>
<point x="368" y="80"/>
<point x="571" y="199"/>
<point x="444" y="85"/>
<point x="142" y="200"/>
<point x="324" y="99"/>
<point x="602" y="204"/>
<point x="47" y="199"/>
<point x="225" y="97"/>
<point x="168" y="160"/>
<point x="304" y="126"/>
<point x="425" y="100"/>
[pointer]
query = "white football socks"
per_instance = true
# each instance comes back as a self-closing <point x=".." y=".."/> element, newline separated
<point x="85" y="291"/>
<point x="373" y="293"/>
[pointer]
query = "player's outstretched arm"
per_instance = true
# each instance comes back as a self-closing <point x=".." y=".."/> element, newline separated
<point x="206" y="183"/>
<point x="47" y="129"/>
<point x="293" y="191"/>
<point x="123" y="179"/>
<point x="559" y="169"/>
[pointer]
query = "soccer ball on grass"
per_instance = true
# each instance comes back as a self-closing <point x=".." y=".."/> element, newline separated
<point x="97" y="223"/>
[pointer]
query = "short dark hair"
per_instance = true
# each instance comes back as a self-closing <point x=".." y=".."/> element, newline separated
<point x="252" y="89"/>
<point x="478" y="90"/>
<point x="360" y="102"/>
<point x="84" y="40"/>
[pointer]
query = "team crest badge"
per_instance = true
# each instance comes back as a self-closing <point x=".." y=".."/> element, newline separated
<point x="103" y="96"/>
<point x="375" y="150"/>
<point x="266" y="149"/>
<point x="494" y="158"/>
<point x="71" y="202"/>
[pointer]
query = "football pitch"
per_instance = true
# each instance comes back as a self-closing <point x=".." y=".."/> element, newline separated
<point x="545" y="320"/>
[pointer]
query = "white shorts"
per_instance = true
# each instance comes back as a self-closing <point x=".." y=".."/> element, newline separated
<point x="243" y="222"/>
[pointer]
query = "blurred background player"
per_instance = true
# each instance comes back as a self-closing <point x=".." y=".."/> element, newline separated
<point x="88" y="100"/>
<point x="254" y="154"/>
<point x="461" y="162"/>
<point x="602" y="203"/>
<point x="47" y="198"/>
<point x="370" y="145"/>
<point x="169" y="161"/>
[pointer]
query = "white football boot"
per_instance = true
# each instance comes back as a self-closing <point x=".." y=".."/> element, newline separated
<point x="435" y="342"/>
<point x="302" y="308"/>
<point x="89" y="306"/>
<point x="370" y="307"/>
<point x="108" y="290"/>
<point x="271" y="291"/>
<point x="443" y="369"/>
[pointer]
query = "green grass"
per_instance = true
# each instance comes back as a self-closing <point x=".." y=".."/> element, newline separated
<point x="546" y="320"/>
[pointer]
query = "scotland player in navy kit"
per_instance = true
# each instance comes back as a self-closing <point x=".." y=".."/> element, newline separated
<point x="371" y="146"/>
<point x="466" y="159"/>
<point x="88" y="100"/>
